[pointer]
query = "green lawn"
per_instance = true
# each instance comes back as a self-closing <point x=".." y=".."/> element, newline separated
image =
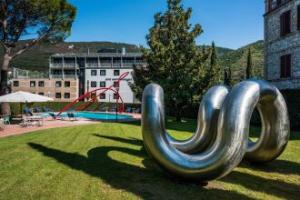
<point x="107" y="161"/>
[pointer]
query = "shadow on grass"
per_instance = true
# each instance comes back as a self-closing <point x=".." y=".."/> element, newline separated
<point x="187" y="125"/>
<point x="132" y="141"/>
<point x="147" y="183"/>
<point x="276" y="166"/>
<point x="151" y="183"/>
<point x="277" y="188"/>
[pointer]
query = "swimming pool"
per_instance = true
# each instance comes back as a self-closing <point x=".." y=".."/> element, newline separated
<point x="98" y="116"/>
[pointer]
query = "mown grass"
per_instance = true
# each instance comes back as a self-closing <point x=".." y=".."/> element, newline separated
<point x="107" y="161"/>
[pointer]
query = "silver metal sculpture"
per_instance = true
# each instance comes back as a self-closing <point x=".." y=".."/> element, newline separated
<point x="222" y="137"/>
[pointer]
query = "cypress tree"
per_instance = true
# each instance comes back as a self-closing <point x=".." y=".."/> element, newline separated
<point x="249" y="64"/>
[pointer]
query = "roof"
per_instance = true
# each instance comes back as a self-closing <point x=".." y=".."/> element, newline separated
<point x="91" y="55"/>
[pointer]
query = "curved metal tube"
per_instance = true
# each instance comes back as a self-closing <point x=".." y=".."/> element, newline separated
<point x="208" y="114"/>
<point x="275" y="126"/>
<point x="231" y="141"/>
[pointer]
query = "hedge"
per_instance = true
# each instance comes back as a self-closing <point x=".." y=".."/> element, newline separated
<point x="58" y="106"/>
<point x="292" y="98"/>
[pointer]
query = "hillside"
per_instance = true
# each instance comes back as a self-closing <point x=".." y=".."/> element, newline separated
<point x="38" y="57"/>
<point x="237" y="60"/>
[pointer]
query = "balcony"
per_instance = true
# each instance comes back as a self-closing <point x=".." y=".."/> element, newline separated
<point x="57" y="76"/>
<point x="71" y="76"/>
<point x="92" y="65"/>
<point x="56" y="65"/>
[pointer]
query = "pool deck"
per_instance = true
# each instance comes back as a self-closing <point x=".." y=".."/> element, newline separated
<point x="15" y="129"/>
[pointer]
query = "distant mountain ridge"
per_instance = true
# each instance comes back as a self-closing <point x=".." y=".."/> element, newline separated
<point x="37" y="58"/>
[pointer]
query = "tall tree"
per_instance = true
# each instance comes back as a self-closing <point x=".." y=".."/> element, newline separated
<point x="249" y="64"/>
<point x="174" y="60"/>
<point x="36" y="20"/>
<point x="215" y="71"/>
<point x="227" y="77"/>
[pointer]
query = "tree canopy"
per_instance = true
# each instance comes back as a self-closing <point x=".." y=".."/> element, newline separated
<point x="35" y="21"/>
<point x="174" y="60"/>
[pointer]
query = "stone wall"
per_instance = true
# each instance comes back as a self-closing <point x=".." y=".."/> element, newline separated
<point x="277" y="46"/>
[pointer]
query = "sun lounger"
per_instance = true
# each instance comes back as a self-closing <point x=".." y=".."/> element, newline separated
<point x="72" y="116"/>
<point x="32" y="121"/>
<point x="6" y="120"/>
<point x="27" y="112"/>
<point x="128" y="110"/>
<point x="46" y="109"/>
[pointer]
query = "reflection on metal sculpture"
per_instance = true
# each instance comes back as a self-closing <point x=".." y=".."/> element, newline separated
<point x="222" y="137"/>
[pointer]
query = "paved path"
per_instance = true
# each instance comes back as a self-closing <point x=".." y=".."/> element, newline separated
<point x="49" y="123"/>
<point x="10" y="130"/>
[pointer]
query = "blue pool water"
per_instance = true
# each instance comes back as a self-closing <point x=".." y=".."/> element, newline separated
<point x="98" y="116"/>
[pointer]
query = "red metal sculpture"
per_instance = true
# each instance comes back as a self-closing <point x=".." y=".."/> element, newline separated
<point x="105" y="89"/>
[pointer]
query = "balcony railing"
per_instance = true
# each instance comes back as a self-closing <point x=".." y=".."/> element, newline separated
<point x="56" y="76"/>
<point x="70" y="76"/>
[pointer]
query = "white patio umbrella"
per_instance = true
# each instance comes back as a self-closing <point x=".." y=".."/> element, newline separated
<point x="23" y="97"/>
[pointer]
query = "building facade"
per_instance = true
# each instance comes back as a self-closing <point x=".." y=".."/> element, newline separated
<point x="282" y="43"/>
<point x="98" y="70"/>
<point x="61" y="90"/>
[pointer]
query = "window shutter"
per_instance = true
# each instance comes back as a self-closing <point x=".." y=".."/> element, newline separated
<point x="298" y="17"/>
<point x="288" y="66"/>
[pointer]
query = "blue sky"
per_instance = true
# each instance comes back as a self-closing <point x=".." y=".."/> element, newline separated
<point x="230" y="23"/>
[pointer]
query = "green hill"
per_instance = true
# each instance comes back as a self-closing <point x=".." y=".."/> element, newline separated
<point x="237" y="60"/>
<point x="37" y="58"/>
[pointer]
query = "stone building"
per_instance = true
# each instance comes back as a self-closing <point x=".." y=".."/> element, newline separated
<point x="282" y="43"/>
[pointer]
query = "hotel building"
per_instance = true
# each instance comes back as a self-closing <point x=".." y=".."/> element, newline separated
<point x="72" y="75"/>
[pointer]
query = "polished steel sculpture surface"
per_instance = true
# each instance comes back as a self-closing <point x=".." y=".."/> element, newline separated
<point x="221" y="140"/>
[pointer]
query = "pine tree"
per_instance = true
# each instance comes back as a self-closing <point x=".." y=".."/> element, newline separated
<point x="249" y="64"/>
<point x="174" y="60"/>
<point x="39" y="20"/>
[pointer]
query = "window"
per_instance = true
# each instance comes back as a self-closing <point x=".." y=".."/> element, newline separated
<point x="298" y="17"/>
<point x="16" y="83"/>
<point x="285" y="66"/>
<point x="41" y="83"/>
<point x="116" y="96"/>
<point x="67" y="84"/>
<point x="41" y="93"/>
<point x="67" y="95"/>
<point x="102" y="96"/>
<point x="58" y="84"/>
<point x="32" y="83"/>
<point x="285" y="23"/>
<point x="93" y="72"/>
<point x="58" y="95"/>
<point x="93" y="84"/>
<point x="102" y="84"/>
<point x="116" y="84"/>
<point x="102" y="72"/>
<point x="116" y="72"/>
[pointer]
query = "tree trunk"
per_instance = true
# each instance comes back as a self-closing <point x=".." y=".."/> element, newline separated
<point x="178" y="113"/>
<point x="4" y="89"/>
